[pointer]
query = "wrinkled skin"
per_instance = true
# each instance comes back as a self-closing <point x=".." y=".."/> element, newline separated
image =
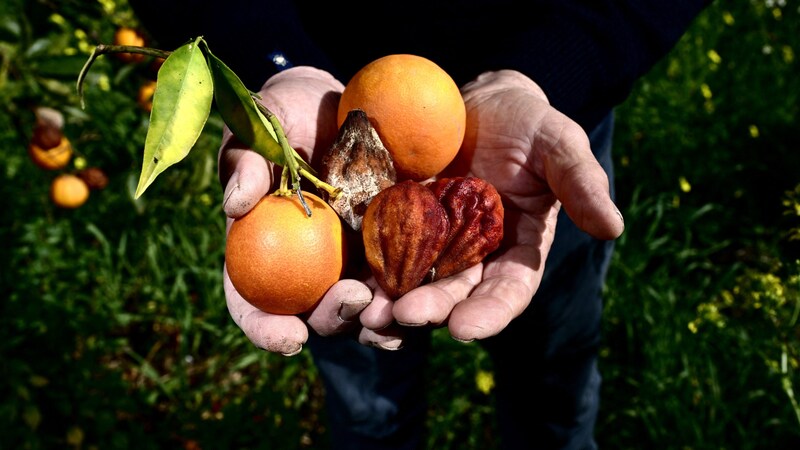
<point x="536" y="157"/>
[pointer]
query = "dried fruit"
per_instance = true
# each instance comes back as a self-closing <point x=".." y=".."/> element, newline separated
<point x="475" y="213"/>
<point x="94" y="177"/>
<point x="415" y="233"/>
<point x="359" y="165"/>
<point x="404" y="230"/>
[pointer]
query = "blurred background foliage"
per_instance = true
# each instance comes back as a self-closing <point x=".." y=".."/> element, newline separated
<point x="114" y="331"/>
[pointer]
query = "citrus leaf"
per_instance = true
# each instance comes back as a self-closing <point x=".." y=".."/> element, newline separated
<point x="181" y="106"/>
<point x="240" y="112"/>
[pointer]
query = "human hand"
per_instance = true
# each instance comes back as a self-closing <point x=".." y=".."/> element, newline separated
<point x="305" y="101"/>
<point x="538" y="159"/>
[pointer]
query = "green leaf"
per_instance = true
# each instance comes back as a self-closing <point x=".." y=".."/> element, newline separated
<point x="240" y="112"/>
<point x="181" y="106"/>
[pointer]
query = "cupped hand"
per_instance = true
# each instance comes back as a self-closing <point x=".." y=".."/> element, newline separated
<point x="539" y="160"/>
<point x="305" y="102"/>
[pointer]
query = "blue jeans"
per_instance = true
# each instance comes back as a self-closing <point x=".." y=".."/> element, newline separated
<point x="545" y="361"/>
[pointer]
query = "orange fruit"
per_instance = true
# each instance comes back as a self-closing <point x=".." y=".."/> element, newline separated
<point x="416" y="109"/>
<point x="53" y="158"/>
<point x="130" y="37"/>
<point x="281" y="260"/>
<point x="145" y="95"/>
<point x="68" y="191"/>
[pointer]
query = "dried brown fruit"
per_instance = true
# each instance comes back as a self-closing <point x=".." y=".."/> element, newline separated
<point x="47" y="132"/>
<point x="359" y="165"/>
<point x="404" y="230"/>
<point x="475" y="213"/>
<point x="94" y="177"/>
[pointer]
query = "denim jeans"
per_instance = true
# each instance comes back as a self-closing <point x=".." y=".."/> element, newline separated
<point x="545" y="361"/>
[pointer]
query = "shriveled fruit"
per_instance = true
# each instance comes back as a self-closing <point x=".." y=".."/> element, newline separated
<point x="53" y="158"/>
<point x="281" y="260"/>
<point x="47" y="131"/>
<point x="404" y="230"/>
<point x="475" y="213"/>
<point x="94" y="177"/>
<point x="358" y="164"/>
<point x="415" y="233"/>
<point x="46" y="136"/>
<point x="416" y="108"/>
<point x="68" y="191"/>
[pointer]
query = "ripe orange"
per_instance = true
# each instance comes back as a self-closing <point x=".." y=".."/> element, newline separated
<point x="416" y="108"/>
<point x="145" y="95"/>
<point x="281" y="260"/>
<point x="131" y="37"/>
<point x="51" y="159"/>
<point x="68" y="191"/>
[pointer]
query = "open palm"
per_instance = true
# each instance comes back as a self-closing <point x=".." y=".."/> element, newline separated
<point x="537" y="158"/>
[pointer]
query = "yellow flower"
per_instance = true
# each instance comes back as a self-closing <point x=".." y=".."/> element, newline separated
<point x="706" y="91"/>
<point x="727" y="17"/>
<point x="57" y="19"/>
<point x="788" y="54"/>
<point x="103" y="82"/>
<point x="485" y="381"/>
<point x="685" y="185"/>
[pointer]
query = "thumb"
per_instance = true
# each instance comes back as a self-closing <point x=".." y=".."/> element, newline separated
<point x="577" y="179"/>
<point x="244" y="174"/>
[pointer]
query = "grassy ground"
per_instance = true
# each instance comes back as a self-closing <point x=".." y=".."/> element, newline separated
<point x="114" y="331"/>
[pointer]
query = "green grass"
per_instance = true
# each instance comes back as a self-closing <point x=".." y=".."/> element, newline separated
<point x="113" y="326"/>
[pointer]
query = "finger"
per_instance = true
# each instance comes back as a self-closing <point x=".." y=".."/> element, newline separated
<point x="339" y="309"/>
<point x="284" y="334"/>
<point x="378" y="315"/>
<point x="508" y="285"/>
<point x="431" y="304"/>
<point x="245" y="175"/>
<point x="389" y="338"/>
<point x="575" y="176"/>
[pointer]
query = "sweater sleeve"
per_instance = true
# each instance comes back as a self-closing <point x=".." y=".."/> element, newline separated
<point x="587" y="56"/>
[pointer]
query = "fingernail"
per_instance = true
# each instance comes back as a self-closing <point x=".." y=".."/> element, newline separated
<point x="464" y="341"/>
<point x="229" y="189"/>
<point x="299" y="349"/>
<point x="621" y="218"/>
<point x="393" y="345"/>
<point x="349" y="310"/>
<point x="420" y="324"/>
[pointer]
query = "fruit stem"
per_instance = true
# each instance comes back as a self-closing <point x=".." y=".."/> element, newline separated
<point x="332" y="191"/>
<point x="103" y="49"/>
<point x="293" y="158"/>
<point x="284" y="191"/>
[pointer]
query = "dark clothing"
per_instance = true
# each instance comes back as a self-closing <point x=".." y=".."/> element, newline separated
<point x="586" y="55"/>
